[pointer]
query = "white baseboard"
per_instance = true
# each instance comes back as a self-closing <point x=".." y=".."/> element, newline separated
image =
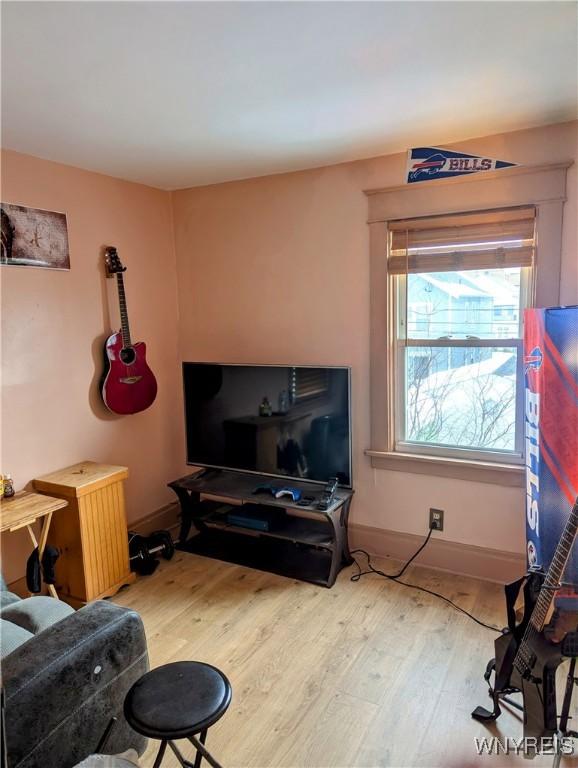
<point x="452" y="556"/>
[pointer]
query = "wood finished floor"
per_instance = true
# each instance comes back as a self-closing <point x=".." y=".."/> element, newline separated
<point x="363" y="674"/>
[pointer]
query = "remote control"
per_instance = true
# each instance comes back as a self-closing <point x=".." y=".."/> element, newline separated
<point x="328" y="494"/>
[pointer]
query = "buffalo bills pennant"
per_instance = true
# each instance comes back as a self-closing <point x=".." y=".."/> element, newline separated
<point x="429" y="163"/>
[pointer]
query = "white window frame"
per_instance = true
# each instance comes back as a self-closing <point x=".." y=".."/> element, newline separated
<point x="541" y="186"/>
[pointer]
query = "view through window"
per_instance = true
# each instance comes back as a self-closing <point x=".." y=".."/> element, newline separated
<point x="459" y="334"/>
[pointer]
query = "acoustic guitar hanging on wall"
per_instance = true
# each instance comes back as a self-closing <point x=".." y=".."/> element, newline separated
<point x="128" y="384"/>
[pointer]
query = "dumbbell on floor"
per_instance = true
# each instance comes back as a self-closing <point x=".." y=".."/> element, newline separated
<point x="142" y="550"/>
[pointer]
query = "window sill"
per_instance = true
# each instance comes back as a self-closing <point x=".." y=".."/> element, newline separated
<point x="459" y="469"/>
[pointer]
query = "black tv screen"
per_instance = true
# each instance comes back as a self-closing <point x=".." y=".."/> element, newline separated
<point x="274" y="420"/>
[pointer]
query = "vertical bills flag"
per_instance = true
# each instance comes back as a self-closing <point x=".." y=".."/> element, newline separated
<point x="427" y="163"/>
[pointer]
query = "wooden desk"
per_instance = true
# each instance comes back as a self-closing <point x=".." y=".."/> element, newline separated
<point x="23" y="510"/>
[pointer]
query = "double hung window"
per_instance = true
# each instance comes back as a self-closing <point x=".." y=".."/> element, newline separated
<point x="458" y="286"/>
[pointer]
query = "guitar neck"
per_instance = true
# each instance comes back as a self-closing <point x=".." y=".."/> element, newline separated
<point x="125" y="329"/>
<point x="555" y="571"/>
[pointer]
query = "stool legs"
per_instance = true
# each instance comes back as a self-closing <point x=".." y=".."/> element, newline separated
<point x="180" y="757"/>
<point x="202" y="751"/>
<point x="199" y="756"/>
<point x="160" y="754"/>
<point x="199" y="745"/>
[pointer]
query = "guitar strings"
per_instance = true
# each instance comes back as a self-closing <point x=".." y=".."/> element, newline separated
<point x="550" y="584"/>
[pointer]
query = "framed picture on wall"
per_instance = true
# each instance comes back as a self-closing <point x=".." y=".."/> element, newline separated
<point x="32" y="237"/>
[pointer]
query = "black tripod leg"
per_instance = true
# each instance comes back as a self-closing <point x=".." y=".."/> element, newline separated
<point x="570" y="680"/>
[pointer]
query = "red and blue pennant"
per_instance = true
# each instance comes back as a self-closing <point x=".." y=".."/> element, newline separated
<point x="429" y="163"/>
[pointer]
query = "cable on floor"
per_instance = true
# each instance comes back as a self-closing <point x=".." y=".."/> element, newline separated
<point x="396" y="577"/>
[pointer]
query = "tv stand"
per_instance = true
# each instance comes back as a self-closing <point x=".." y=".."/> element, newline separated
<point x="305" y="543"/>
<point x="205" y="473"/>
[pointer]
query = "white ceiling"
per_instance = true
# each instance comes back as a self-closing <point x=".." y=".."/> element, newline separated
<point x="177" y="94"/>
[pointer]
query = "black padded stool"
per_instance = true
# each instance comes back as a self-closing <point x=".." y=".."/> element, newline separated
<point x="178" y="701"/>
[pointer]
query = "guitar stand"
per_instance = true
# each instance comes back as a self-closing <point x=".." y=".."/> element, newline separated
<point x="485" y="715"/>
<point x="563" y="732"/>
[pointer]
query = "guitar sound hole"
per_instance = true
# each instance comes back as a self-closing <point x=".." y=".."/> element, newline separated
<point x="127" y="355"/>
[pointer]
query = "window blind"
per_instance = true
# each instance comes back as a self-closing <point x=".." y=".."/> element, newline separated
<point x="483" y="240"/>
<point x="308" y="382"/>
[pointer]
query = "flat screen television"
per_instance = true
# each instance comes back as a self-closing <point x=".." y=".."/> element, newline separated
<point x="284" y="421"/>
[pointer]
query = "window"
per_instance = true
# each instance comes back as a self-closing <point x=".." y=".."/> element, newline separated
<point x="458" y="287"/>
<point x="538" y="188"/>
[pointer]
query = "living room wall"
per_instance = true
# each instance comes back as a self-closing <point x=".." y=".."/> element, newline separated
<point x="266" y="270"/>
<point x="276" y="270"/>
<point x="54" y="324"/>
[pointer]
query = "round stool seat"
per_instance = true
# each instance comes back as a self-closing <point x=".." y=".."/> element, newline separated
<point x="177" y="700"/>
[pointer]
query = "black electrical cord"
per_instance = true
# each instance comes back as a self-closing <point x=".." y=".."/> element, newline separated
<point x="397" y="578"/>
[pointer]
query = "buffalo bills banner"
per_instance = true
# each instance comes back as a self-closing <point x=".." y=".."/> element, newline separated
<point x="428" y="163"/>
<point x="551" y="431"/>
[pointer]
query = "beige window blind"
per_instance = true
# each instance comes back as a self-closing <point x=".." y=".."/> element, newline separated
<point x="483" y="240"/>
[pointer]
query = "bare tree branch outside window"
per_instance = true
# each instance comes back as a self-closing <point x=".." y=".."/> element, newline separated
<point x="463" y="394"/>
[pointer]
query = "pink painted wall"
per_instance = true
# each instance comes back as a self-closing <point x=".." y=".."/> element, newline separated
<point x="53" y="327"/>
<point x="270" y="270"/>
<point x="275" y="270"/>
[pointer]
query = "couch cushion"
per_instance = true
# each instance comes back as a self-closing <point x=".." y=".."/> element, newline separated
<point x="36" y="614"/>
<point x="7" y="598"/>
<point x="64" y="685"/>
<point x="11" y="636"/>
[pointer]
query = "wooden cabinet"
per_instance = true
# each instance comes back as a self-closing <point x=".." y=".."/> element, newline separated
<point x="91" y="532"/>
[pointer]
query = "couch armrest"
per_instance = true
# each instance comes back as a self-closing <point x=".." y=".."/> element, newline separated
<point x="63" y="686"/>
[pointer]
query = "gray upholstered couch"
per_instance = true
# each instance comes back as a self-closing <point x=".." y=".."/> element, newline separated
<point x="65" y="674"/>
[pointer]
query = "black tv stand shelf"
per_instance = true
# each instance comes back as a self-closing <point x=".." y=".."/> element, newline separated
<point x="305" y="543"/>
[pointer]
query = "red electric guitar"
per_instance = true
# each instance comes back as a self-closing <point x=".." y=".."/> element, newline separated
<point x="128" y="384"/>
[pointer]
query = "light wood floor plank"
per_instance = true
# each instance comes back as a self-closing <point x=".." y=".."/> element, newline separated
<point x="364" y="674"/>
